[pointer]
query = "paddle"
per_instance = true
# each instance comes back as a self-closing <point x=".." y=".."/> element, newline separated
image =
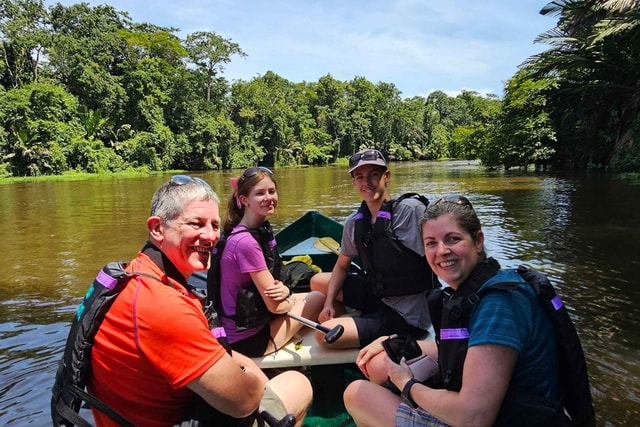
<point x="329" y="244"/>
<point x="331" y="335"/>
<point x="288" y="421"/>
<point x="325" y="244"/>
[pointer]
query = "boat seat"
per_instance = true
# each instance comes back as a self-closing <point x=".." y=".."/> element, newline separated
<point x="307" y="353"/>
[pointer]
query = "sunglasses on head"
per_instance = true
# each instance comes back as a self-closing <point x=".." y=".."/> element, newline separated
<point x="365" y="155"/>
<point x="185" y="179"/>
<point x="454" y="198"/>
<point x="250" y="172"/>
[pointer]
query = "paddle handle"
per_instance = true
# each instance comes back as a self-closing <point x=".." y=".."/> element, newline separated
<point x="288" y="421"/>
<point x="331" y="335"/>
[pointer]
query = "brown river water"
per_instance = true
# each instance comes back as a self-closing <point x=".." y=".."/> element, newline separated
<point x="582" y="231"/>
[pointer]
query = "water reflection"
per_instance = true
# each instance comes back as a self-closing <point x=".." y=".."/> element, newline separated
<point x="581" y="231"/>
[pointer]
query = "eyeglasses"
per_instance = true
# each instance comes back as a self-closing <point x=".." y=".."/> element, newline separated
<point x="185" y="179"/>
<point x="365" y="155"/>
<point x="454" y="198"/>
<point x="250" y="172"/>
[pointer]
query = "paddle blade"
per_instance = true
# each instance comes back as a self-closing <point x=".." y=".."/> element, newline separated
<point x="327" y="244"/>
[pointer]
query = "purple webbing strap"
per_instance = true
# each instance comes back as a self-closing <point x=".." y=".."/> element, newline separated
<point x="105" y="280"/>
<point x="454" y="334"/>
<point x="384" y="214"/>
<point x="358" y="216"/>
<point x="218" y="332"/>
<point x="557" y="303"/>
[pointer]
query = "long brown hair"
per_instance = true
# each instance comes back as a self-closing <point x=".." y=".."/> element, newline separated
<point x="249" y="179"/>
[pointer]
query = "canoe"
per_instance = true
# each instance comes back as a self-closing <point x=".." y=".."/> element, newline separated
<point x="313" y="234"/>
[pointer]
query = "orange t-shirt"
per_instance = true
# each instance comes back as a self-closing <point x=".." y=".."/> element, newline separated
<point x="153" y="341"/>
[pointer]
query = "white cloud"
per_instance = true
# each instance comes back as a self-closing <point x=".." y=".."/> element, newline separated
<point x="414" y="44"/>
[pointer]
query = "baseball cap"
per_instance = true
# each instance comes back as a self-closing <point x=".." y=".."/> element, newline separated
<point x="366" y="157"/>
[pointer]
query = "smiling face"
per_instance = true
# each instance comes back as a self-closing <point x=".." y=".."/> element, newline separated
<point x="188" y="239"/>
<point x="452" y="252"/>
<point x="262" y="198"/>
<point x="371" y="182"/>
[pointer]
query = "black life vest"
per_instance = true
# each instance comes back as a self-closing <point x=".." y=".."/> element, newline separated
<point x="450" y="311"/>
<point x="74" y="368"/>
<point x="251" y="310"/>
<point x="391" y="268"/>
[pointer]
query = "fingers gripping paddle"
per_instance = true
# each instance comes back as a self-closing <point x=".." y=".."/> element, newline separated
<point x="331" y="334"/>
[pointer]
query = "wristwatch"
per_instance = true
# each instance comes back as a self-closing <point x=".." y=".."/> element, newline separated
<point x="406" y="393"/>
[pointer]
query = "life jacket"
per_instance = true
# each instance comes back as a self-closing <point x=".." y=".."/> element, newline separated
<point x="251" y="311"/>
<point x="391" y="268"/>
<point x="74" y="368"/>
<point x="450" y="311"/>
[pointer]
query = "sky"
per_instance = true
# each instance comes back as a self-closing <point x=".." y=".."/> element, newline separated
<point x="419" y="46"/>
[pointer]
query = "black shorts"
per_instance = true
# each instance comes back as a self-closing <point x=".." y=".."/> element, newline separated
<point x="377" y="318"/>
<point x="254" y="345"/>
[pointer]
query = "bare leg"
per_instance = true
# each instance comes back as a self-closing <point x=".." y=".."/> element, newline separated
<point x="349" y="338"/>
<point x="320" y="283"/>
<point x="377" y="369"/>
<point x="371" y="405"/>
<point x="283" y="327"/>
<point x="294" y="389"/>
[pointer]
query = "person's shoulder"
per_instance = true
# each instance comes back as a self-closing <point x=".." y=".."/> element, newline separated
<point x="408" y="205"/>
<point x="411" y="200"/>
<point x="351" y="218"/>
<point x="240" y="235"/>
<point x="520" y="292"/>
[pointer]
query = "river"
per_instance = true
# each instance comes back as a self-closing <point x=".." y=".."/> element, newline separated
<point x="582" y="231"/>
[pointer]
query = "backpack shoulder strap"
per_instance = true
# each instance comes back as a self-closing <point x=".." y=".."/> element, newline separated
<point x="213" y="275"/>
<point x="416" y="196"/>
<point x="73" y="369"/>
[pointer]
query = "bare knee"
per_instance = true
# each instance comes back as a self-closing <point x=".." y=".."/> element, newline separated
<point x="320" y="282"/>
<point x="294" y="390"/>
<point x="354" y="393"/>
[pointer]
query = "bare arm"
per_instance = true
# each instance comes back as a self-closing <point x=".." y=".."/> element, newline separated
<point x="336" y="281"/>
<point x="232" y="385"/>
<point x="487" y="373"/>
<point x="273" y="292"/>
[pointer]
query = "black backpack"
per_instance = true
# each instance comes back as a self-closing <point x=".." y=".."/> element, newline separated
<point x="74" y="367"/>
<point x="574" y="380"/>
<point x="251" y="311"/>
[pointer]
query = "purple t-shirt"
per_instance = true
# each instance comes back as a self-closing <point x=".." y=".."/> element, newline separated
<point x="242" y="255"/>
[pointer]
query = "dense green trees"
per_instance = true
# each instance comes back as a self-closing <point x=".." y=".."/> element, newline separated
<point x="86" y="89"/>
<point x="590" y="83"/>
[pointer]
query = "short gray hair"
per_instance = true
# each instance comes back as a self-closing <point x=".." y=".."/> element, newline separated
<point x="169" y="200"/>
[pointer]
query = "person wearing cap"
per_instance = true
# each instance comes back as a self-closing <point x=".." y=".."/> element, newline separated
<point x="389" y="297"/>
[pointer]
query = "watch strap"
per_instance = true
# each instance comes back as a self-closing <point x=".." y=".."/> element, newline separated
<point x="406" y="393"/>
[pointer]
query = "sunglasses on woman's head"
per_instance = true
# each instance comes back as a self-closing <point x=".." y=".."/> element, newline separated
<point x="250" y="172"/>
<point x="454" y="198"/>
<point x="185" y="179"/>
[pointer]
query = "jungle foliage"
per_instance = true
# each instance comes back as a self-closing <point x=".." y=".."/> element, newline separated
<point x="87" y="89"/>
